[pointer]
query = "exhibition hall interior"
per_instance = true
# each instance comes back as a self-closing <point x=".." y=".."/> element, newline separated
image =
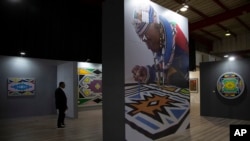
<point x="135" y="70"/>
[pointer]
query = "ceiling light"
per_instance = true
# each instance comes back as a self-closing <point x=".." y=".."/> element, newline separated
<point x="22" y="53"/>
<point x="231" y="58"/>
<point x="228" y="33"/>
<point x="184" y="8"/>
<point x="226" y="56"/>
<point x="87" y="60"/>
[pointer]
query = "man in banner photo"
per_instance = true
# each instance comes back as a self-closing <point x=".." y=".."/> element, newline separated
<point x="169" y="47"/>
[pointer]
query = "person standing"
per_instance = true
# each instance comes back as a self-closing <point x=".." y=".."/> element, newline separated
<point x="61" y="104"/>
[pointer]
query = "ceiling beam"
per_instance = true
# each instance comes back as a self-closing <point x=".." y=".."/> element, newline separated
<point x="221" y="4"/>
<point x="220" y="17"/>
<point x="227" y="30"/>
<point x="193" y="9"/>
<point x="242" y="53"/>
<point x="218" y="2"/>
<point x="205" y="16"/>
<point x="243" y="23"/>
<point x="212" y="35"/>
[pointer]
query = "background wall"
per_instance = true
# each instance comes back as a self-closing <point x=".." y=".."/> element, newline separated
<point x="67" y="72"/>
<point x="212" y="104"/>
<point x="204" y="57"/>
<point x="45" y="74"/>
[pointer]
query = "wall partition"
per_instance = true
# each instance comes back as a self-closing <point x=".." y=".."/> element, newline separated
<point x="224" y="89"/>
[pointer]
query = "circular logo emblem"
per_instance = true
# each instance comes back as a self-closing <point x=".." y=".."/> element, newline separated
<point x="230" y="85"/>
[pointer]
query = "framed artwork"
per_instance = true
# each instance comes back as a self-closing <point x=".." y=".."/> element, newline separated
<point x="21" y="86"/>
<point x="230" y="85"/>
<point x="193" y="85"/>
<point x="89" y="86"/>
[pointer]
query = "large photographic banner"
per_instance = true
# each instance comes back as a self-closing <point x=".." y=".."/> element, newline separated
<point x="157" y="100"/>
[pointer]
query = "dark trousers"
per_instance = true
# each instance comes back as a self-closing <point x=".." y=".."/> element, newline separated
<point x="61" y="117"/>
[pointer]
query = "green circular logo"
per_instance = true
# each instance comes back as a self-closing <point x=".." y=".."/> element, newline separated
<point x="230" y="85"/>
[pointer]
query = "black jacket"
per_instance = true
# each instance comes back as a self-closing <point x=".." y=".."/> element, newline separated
<point x="61" y="99"/>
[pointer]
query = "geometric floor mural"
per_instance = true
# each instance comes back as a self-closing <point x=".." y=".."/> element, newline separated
<point x="152" y="112"/>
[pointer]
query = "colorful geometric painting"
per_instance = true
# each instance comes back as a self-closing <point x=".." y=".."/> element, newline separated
<point x="230" y="85"/>
<point x="153" y="112"/>
<point x="21" y="86"/>
<point x="89" y="86"/>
